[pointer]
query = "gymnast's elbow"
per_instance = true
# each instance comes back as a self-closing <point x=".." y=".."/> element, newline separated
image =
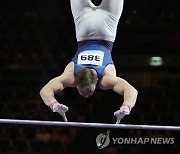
<point x="43" y="92"/>
<point x="135" y="92"/>
<point x="45" y="95"/>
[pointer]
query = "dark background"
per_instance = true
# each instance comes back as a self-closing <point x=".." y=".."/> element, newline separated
<point x="37" y="40"/>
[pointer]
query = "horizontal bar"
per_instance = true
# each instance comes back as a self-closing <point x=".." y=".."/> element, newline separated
<point x="95" y="125"/>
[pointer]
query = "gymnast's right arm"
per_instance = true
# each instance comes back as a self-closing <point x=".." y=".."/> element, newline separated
<point x="57" y="84"/>
<point x="48" y="91"/>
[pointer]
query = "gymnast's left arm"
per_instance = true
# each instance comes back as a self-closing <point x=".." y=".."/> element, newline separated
<point x="121" y="86"/>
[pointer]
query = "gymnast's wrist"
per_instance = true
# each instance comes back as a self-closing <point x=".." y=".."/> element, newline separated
<point x="53" y="104"/>
<point x="127" y="104"/>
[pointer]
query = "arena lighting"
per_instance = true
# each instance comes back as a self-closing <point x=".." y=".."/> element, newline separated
<point x="156" y="61"/>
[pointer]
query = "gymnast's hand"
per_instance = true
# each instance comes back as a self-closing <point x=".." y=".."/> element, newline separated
<point x="124" y="110"/>
<point x="60" y="108"/>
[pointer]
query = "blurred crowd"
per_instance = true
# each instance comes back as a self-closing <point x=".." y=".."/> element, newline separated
<point x="37" y="40"/>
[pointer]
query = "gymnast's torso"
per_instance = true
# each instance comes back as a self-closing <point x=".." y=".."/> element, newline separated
<point x="96" y="28"/>
<point x="95" y="54"/>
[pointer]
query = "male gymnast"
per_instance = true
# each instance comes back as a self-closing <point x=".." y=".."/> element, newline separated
<point x="92" y="66"/>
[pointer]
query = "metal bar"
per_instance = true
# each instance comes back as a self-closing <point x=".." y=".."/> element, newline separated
<point x="95" y="125"/>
